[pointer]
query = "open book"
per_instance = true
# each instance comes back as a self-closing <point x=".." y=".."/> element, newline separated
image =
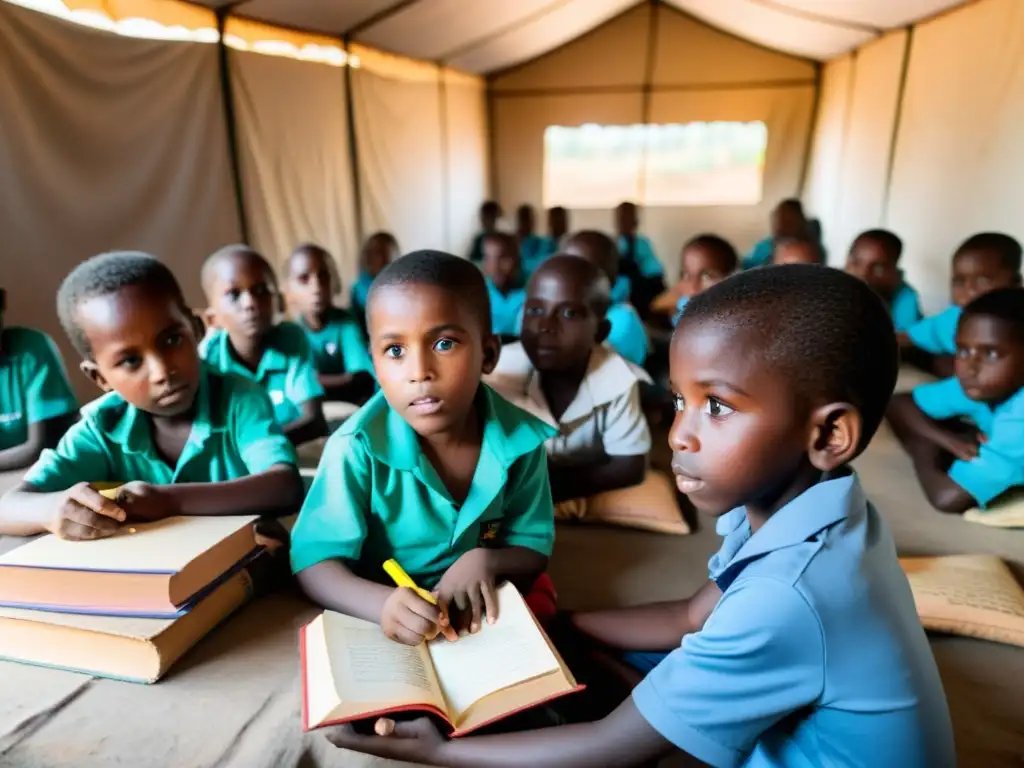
<point x="352" y="671"/>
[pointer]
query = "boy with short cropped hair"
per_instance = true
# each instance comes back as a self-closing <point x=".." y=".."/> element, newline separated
<point x="562" y="369"/>
<point x="379" y="250"/>
<point x="637" y="260"/>
<point x="436" y="471"/>
<point x="705" y="260"/>
<point x="874" y="257"/>
<point x="185" y="439"/>
<point x="490" y="214"/>
<point x="982" y="263"/>
<point x="338" y="343"/>
<point x="627" y="334"/>
<point x="962" y="468"/>
<point x="787" y="220"/>
<point x="242" y="296"/>
<point x="36" y="402"/>
<point x="558" y="228"/>
<point x="804" y="647"/>
<point x="533" y="249"/>
<point x="501" y="267"/>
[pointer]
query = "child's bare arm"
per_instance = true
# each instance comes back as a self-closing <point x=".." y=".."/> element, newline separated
<point x="589" y="479"/>
<point x="41" y="434"/>
<point x="653" y="627"/>
<point x="623" y="738"/>
<point x="912" y="425"/>
<point x="930" y="466"/>
<point x="402" y="614"/>
<point x="79" y="513"/>
<point x="310" y="424"/>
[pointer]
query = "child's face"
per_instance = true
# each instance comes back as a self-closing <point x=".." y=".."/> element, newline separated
<point x="738" y="427"/>
<point x="558" y="223"/>
<point x="309" y="283"/>
<point x="242" y="300"/>
<point x="625" y="219"/>
<point x="989" y="359"/>
<point x="489" y="219"/>
<point x="869" y="261"/>
<point x="525" y="221"/>
<point x="700" y="268"/>
<point x="144" y="348"/>
<point x="501" y="262"/>
<point x="429" y="352"/>
<point x="786" y="221"/>
<point x="795" y="253"/>
<point x="559" y="327"/>
<point x="975" y="273"/>
<point x="378" y="252"/>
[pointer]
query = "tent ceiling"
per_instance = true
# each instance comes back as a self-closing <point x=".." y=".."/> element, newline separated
<point x="488" y="35"/>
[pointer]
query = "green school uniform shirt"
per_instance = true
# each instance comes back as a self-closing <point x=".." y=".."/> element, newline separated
<point x="376" y="496"/>
<point x="234" y="435"/>
<point x="33" y="384"/>
<point x="340" y="346"/>
<point x="286" y="371"/>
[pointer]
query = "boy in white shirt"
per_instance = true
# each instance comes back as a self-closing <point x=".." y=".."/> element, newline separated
<point x="562" y="372"/>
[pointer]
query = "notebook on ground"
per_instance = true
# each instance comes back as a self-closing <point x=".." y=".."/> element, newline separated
<point x="146" y="569"/>
<point x="351" y="671"/>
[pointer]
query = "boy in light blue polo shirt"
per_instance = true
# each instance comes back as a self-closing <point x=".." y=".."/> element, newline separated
<point x="36" y="403"/>
<point x="379" y="250"/>
<point x="983" y="262"/>
<point x="804" y="647"/>
<point x="436" y="470"/>
<point x="338" y="343"/>
<point x="558" y="230"/>
<point x="637" y="260"/>
<point x="241" y="291"/>
<point x="501" y="268"/>
<point x="183" y="439"/>
<point x="874" y="257"/>
<point x="961" y="469"/>
<point x="533" y="249"/>
<point x="627" y="334"/>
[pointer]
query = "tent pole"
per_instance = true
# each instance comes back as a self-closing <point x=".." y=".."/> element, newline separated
<point x="353" y="146"/>
<point x="648" y="89"/>
<point x="227" y="97"/>
<point x="811" y="129"/>
<point x="446" y="186"/>
<point x="897" y="119"/>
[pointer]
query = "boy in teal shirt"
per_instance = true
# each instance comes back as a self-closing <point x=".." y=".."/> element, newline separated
<point x="36" y="403"/>
<point x="874" y="257"/>
<point x="983" y="262"/>
<point x="436" y="471"/>
<point x="501" y="267"/>
<point x="339" y="345"/>
<point x="241" y="293"/>
<point x="787" y="220"/>
<point x="558" y="229"/>
<point x="379" y="250"/>
<point x="627" y="334"/>
<point x="637" y="261"/>
<point x="490" y="214"/>
<point x="961" y="466"/>
<point x="184" y="439"/>
<point x="803" y="647"/>
<point x="533" y="249"/>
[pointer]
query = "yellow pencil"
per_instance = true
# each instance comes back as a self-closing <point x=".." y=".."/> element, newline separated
<point x="402" y="579"/>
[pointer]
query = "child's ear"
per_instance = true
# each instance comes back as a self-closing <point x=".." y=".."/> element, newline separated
<point x="837" y="428"/>
<point x="210" y="318"/>
<point x="492" y="351"/>
<point x="92" y="372"/>
<point x="603" y="329"/>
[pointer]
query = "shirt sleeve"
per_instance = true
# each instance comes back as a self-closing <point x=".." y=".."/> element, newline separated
<point x="936" y="334"/>
<point x="626" y="431"/>
<point x="261" y="441"/>
<point x="647" y="260"/>
<point x="999" y="465"/>
<point x="303" y="381"/>
<point x="530" y="513"/>
<point x="80" y="457"/>
<point x="628" y="336"/>
<point x="759" y="658"/>
<point x="47" y="391"/>
<point x="943" y="399"/>
<point x="906" y="309"/>
<point x="355" y="349"/>
<point x="333" y="521"/>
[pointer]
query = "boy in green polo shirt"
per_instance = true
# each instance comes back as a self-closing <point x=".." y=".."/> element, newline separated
<point x="436" y="471"/>
<point x="185" y="439"/>
<point x="36" y="404"/>
<point x="339" y="345"/>
<point x="241" y="293"/>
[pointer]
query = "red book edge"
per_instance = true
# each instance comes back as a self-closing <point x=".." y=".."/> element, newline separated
<point x="413" y="708"/>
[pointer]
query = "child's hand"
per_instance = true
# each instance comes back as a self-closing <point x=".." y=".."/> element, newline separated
<point x="144" y="502"/>
<point x="964" y="447"/>
<point x="469" y="584"/>
<point x="409" y="619"/>
<point x="415" y="741"/>
<point x="83" y="513"/>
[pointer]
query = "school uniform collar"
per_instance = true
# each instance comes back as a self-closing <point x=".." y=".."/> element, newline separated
<point x="272" y="359"/>
<point x="836" y="497"/>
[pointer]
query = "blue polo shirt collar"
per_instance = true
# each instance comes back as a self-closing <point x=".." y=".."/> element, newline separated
<point x="831" y="500"/>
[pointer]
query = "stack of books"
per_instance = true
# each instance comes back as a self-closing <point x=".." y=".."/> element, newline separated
<point x="130" y="605"/>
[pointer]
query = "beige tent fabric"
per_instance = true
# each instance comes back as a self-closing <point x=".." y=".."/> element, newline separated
<point x="824" y="175"/>
<point x="105" y="142"/>
<point x="465" y="110"/>
<point x="294" y="151"/>
<point x="959" y="155"/>
<point x="399" y="148"/>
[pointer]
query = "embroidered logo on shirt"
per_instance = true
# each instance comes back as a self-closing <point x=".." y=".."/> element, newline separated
<point x="331" y="348"/>
<point x="276" y="396"/>
<point x="489" y="532"/>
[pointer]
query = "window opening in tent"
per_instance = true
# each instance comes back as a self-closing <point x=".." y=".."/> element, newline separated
<point x="677" y="164"/>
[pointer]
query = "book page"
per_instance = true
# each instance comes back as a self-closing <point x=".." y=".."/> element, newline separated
<point x="370" y="669"/>
<point x="510" y="651"/>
